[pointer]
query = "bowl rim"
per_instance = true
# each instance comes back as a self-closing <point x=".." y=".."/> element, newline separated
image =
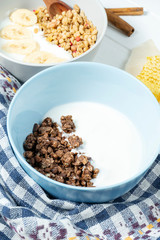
<point x="105" y="24"/>
<point x="98" y="188"/>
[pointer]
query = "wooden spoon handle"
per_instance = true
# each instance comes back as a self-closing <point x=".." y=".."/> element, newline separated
<point x="48" y="3"/>
<point x="56" y="7"/>
<point x="65" y="6"/>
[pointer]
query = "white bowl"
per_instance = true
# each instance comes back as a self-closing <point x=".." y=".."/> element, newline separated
<point x="93" y="10"/>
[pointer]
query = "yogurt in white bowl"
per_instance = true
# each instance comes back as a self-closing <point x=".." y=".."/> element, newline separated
<point x="24" y="71"/>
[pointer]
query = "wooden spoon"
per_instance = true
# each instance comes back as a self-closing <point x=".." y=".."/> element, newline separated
<point x="56" y="7"/>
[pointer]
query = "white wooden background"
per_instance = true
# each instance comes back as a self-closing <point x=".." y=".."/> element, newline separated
<point x="115" y="47"/>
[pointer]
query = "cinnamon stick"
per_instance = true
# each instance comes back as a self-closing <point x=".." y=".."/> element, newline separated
<point x="126" y="11"/>
<point x="120" y="23"/>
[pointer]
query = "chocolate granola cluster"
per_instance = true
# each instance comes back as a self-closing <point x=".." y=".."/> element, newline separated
<point x="50" y="153"/>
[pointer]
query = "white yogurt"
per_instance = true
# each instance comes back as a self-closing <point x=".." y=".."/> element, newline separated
<point x="109" y="138"/>
<point x="38" y="37"/>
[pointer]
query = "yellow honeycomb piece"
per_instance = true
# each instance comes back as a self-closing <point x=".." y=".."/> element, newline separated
<point x="150" y="75"/>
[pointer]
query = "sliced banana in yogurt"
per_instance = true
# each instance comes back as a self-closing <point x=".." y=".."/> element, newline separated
<point x="15" y="32"/>
<point x="23" y="17"/>
<point x="42" y="57"/>
<point x="23" y="47"/>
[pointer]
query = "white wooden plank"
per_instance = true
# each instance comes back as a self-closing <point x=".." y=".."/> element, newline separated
<point x="115" y="48"/>
<point x="112" y="53"/>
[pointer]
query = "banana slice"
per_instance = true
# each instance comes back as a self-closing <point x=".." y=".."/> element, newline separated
<point x="42" y="57"/>
<point x="23" y="47"/>
<point x="23" y="17"/>
<point x="15" y="32"/>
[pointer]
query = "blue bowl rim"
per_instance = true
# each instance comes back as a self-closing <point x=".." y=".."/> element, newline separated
<point x="65" y="65"/>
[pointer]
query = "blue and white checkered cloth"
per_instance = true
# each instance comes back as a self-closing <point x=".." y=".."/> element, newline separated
<point x="27" y="212"/>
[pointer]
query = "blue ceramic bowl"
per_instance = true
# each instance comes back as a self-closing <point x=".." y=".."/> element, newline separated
<point x="84" y="81"/>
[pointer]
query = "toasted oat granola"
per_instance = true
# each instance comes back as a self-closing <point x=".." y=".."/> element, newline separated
<point x="71" y="30"/>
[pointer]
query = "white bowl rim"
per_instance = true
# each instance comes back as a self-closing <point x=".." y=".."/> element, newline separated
<point x="139" y="173"/>
<point x="73" y="59"/>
